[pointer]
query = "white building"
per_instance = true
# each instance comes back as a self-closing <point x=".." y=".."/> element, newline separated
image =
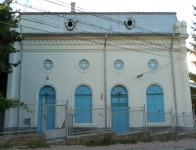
<point x="63" y="58"/>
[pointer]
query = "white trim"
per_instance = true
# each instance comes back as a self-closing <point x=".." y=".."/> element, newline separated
<point x="79" y="69"/>
<point x="152" y="71"/>
<point x="114" y="69"/>
<point x="41" y="64"/>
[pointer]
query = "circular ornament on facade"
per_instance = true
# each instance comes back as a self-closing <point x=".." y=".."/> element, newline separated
<point x="118" y="64"/>
<point x="70" y="24"/>
<point x="48" y="64"/>
<point x="84" y="64"/>
<point x="129" y="23"/>
<point x="153" y="64"/>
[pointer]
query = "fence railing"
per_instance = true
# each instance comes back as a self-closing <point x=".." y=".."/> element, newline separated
<point x="92" y="118"/>
<point x="159" y="121"/>
<point x="88" y="119"/>
<point x="184" y="122"/>
<point x="128" y="119"/>
<point x="23" y="120"/>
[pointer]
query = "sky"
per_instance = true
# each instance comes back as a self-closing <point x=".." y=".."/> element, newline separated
<point x="183" y="8"/>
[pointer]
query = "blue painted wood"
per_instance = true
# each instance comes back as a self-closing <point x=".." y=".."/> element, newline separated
<point x="120" y="115"/>
<point x="83" y="104"/>
<point x="155" y="104"/>
<point x="50" y="95"/>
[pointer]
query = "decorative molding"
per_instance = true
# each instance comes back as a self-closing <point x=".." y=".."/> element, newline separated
<point x="160" y="42"/>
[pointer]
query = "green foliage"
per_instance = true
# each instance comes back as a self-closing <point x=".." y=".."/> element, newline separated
<point x="193" y="34"/>
<point x="108" y="140"/>
<point x="5" y="146"/>
<point x="10" y="103"/>
<point x="38" y="143"/>
<point x="192" y="76"/>
<point x="9" y="20"/>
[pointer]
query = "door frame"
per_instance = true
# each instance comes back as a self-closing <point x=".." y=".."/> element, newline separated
<point x="127" y="103"/>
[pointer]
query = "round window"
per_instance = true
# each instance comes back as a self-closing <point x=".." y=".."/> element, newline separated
<point x="47" y="64"/>
<point x="118" y="64"/>
<point x="83" y="64"/>
<point x="153" y="64"/>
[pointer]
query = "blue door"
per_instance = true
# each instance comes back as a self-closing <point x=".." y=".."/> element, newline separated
<point x="50" y="95"/>
<point x="83" y="104"/>
<point x="155" y="104"/>
<point x="120" y="114"/>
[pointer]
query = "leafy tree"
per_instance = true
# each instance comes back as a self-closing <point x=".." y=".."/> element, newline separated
<point x="8" y="36"/>
<point x="193" y="52"/>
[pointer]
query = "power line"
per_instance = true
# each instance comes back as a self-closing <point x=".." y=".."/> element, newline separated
<point x="77" y="38"/>
<point x="103" y="28"/>
<point x="107" y="18"/>
<point x="95" y="34"/>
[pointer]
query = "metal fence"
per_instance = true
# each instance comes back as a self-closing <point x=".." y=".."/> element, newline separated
<point x="88" y="119"/>
<point x="183" y="122"/>
<point x="129" y="119"/>
<point x="23" y="120"/>
<point x="159" y="121"/>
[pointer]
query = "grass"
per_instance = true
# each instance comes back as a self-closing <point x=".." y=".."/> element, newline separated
<point x="5" y="146"/>
<point x="108" y="140"/>
<point x="38" y="143"/>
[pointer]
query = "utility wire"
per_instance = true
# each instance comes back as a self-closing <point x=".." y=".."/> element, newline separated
<point x="89" y="41"/>
<point x="135" y="38"/>
<point x="90" y="33"/>
<point x="108" y="18"/>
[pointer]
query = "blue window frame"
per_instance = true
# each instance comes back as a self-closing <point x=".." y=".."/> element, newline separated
<point x="49" y="94"/>
<point x="120" y="114"/>
<point x="155" y="103"/>
<point x="48" y="64"/>
<point x="83" y="104"/>
<point x="84" y="64"/>
<point x="153" y="64"/>
<point x="118" y="64"/>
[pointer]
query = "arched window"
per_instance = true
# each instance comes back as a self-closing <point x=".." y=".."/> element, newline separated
<point x="49" y="95"/>
<point x="120" y="115"/>
<point x="155" y="103"/>
<point x="83" y="104"/>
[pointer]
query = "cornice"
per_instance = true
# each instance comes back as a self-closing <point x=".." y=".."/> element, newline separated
<point x="158" y="42"/>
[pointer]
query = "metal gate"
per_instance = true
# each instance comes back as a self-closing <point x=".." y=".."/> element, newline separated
<point x="61" y="115"/>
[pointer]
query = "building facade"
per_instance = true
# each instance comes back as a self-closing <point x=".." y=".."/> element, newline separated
<point x="67" y="56"/>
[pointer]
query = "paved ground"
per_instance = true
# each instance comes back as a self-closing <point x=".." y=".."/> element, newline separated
<point x="171" y="145"/>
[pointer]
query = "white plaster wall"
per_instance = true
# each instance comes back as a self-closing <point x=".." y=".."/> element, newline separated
<point x="65" y="76"/>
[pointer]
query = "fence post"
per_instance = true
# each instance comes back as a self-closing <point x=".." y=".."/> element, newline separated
<point x="111" y="114"/>
<point x="18" y="118"/>
<point x="171" y="117"/>
<point x="91" y="115"/>
<point x="183" y="119"/>
<point x="43" y="115"/>
<point x="67" y="106"/>
<point x="147" y="119"/>
<point x="193" y="119"/>
<point x="159" y="119"/>
<point x="22" y="118"/>
<point x="144" y="121"/>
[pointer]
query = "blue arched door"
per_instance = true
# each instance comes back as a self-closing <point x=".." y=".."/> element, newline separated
<point x="83" y="104"/>
<point x="155" y="103"/>
<point x="49" y="95"/>
<point x="120" y="114"/>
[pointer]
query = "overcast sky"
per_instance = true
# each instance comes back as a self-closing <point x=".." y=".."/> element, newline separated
<point x="182" y="7"/>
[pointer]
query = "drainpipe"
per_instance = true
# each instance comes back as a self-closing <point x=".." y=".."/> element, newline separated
<point x="20" y="82"/>
<point x="173" y="77"/>
<point x="105" y="80"/>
